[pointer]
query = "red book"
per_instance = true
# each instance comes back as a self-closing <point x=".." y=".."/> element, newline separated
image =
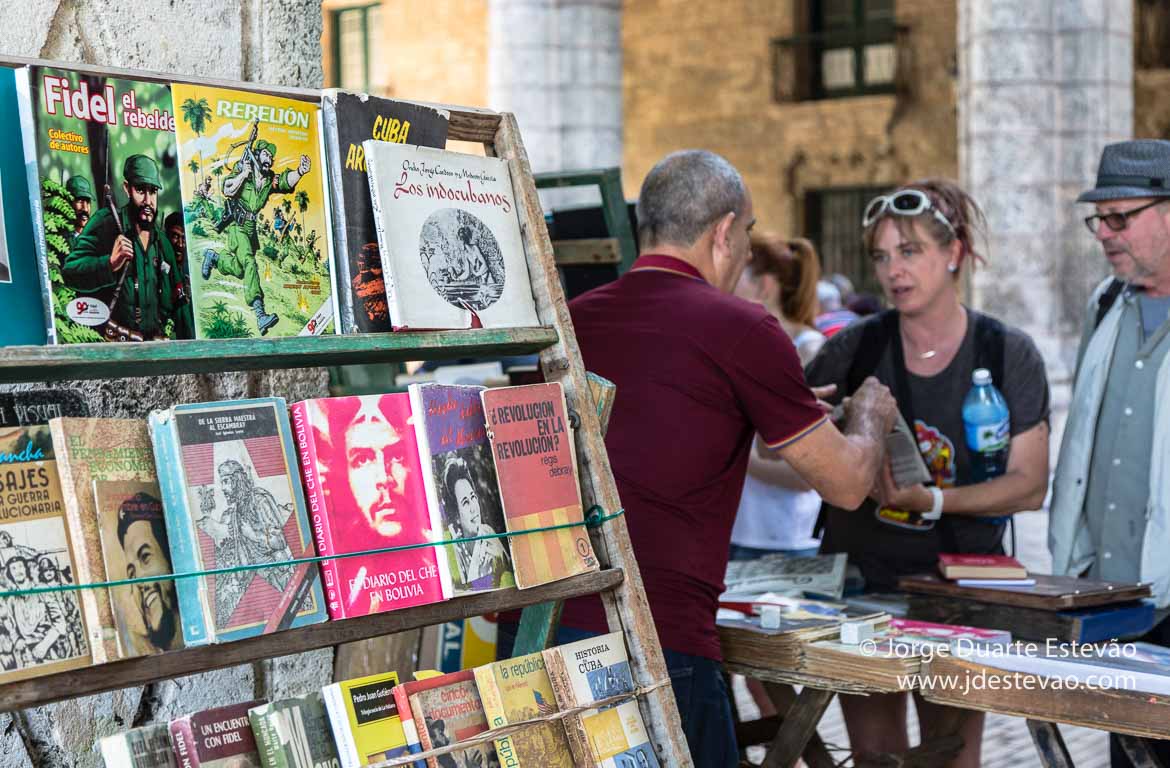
<point x="446" y="710"/>
<point x="536" y="464"/>
<point x="363" y="482"/>
<point x="980" y="567"/>
<point x="221" y="736"/>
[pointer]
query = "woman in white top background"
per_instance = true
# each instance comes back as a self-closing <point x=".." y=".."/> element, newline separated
<point x="778" y="510"/>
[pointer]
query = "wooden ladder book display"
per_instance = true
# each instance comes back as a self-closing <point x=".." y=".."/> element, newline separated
<point x="619" y="582"/>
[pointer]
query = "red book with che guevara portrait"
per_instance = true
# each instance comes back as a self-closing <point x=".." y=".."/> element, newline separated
<point x="364" y="487"/>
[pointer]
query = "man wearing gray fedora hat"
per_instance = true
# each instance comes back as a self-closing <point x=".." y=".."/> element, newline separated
<point x="1110" y="513"/>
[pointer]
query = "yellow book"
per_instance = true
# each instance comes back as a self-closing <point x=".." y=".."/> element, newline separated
<point x="364" y="719"/>
<point x="516" y="690"/>
<point x="252" y="171"/>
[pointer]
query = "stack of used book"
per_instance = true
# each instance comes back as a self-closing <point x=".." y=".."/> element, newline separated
<point x="892" y="658"/>
<point x="746" y="641"/>
<point x="1063" y="608"/>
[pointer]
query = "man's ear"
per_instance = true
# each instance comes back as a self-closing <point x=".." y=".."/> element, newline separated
<point x="721" y="242"/>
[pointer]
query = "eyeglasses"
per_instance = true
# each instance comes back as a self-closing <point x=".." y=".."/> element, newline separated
<point x="1116" y="220"/>
<point x="907" y="202"/>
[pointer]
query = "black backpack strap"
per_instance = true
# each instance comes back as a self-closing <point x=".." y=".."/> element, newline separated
<point x="1106" y="300"/>
<point x="875" y="335"/>
<point x="990" y="337"/>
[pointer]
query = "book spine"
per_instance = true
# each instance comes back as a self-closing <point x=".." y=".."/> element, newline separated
<point x="493" y="710"/>
<point x="197" y="630"/>
<point x="434" y="510"/>
<point x="268" y="746"/>
<point x="327" y="210"/>
<point x="424" y="736"/>
<point x="318" y="508"/>
<point x="31" y="169"/>
<point x="384" y="252"/>
<point x="558" y="677"/>
<point x="344" y="288"/>
<point x="102" y="644"/>
<point x="339" y="723"/>
<point x="183" y="743"/>
<point x="406" y="717"/>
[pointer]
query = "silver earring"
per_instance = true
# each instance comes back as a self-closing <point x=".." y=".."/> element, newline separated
<point x="952" y="267"/>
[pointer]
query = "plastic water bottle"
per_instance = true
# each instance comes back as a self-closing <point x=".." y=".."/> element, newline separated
<point x="987" y="423"/>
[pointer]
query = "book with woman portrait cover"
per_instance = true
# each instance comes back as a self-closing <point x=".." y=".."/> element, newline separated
<point x="97" y="449"/>
<point x="515" y="690"/>
<point x="536" y="463"/>
<point x="591" y="670"/>
<point x="227" y="472"/>
<point x="360" y="464"/>
<point x="463" y="496"/>
<point x="449" y="237"/>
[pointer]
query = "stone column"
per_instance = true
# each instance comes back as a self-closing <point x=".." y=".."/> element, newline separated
<point x="557" y="65"/>
<point x="262" y="40"/>
<point x="1043" y="86"/>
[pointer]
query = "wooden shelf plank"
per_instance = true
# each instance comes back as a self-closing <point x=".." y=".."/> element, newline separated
<point x="158" y="358"/>
<point x="146" y="669"/>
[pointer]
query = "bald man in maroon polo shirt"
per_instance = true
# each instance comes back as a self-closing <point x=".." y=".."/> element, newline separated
<point x="699" y="373"/>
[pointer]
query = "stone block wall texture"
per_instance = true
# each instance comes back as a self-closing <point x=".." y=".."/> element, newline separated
<point x="700" y="75"/>
<point x="258" y="40"/>
<point x="1043" y="87"/>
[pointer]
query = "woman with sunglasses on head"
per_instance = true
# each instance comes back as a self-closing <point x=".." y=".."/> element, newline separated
<point x="926" y="349"/>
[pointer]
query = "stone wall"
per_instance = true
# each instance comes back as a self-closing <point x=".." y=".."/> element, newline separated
<point x="700" y="75"/>
<point x="260" y="40"/>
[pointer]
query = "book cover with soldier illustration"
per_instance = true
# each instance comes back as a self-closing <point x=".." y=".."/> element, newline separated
<point x="39" y="633"/>
<point x="231" y="498"/>
<point x="449" y="238"/>
<point x="515" y="690"/>
<point x="254" y="201"/>
<point x="90" y="449"/>
<point x="104" y="181"/>
<point x="348" y="119"/>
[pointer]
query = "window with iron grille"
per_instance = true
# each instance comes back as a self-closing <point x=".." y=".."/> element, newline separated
<point x="847" y="48"/>
<point x="832" y="219"/>
<point x="357" y="48"/>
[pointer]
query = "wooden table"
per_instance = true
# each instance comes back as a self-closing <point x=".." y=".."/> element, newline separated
<point x="1133" y="716"/>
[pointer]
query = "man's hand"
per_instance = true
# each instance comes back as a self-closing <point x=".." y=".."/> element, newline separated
<point x="821" y="393"/>
<point x="303" y="168"/>
<point x="873" y="403"/>
<point x="121" y="253"/>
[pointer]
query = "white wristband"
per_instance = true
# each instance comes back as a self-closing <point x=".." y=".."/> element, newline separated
<point x="936" y="504"/>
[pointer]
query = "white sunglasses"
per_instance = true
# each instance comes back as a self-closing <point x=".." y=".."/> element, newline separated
<point x="906" y="202"/>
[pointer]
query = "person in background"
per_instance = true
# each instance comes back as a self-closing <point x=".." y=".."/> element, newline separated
<point x="778" y="508"/>
<point x="864" y="304"/>
<point x="833" y="315"/>
<point x="926" y="348"/>
<point x="1110" y="513"/>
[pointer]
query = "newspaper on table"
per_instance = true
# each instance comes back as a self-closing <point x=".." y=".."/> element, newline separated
<point x="820" y="576"/>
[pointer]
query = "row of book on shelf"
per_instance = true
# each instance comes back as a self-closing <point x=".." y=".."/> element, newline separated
<point x="138" y="210"/>
<point x="375" y="718"/>
<point x="226" y="486"/>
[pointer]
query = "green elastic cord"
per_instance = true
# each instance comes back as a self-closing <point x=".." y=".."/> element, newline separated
<point x="594" y="517"/>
